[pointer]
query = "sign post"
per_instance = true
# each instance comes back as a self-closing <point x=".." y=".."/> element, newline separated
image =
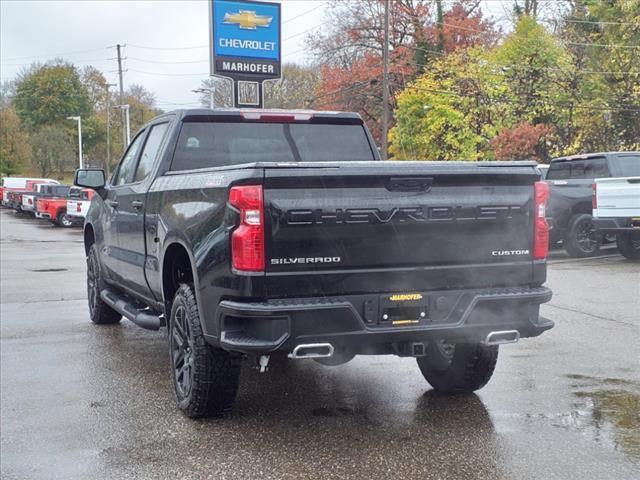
<point x="245" y="47"/>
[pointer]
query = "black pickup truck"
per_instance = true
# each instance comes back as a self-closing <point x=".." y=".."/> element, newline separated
<point x="571" y="181"/>
<point x="258" y="233"/>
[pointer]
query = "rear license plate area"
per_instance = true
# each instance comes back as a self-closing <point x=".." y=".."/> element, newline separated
<point x="403" y="309"/>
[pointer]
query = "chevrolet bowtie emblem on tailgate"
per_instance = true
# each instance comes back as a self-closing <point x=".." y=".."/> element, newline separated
<point x="247" y="19"/>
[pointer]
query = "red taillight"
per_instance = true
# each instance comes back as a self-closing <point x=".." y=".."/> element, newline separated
<point x="594" y="196"/>
<point x="79" y="207"/>
<point x="540" y="226"/>
<point x="247" y="241"/>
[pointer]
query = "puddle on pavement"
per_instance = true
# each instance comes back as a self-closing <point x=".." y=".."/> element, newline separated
<point x="609" y="410"/>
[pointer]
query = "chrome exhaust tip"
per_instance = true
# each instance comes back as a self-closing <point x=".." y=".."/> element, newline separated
<point x="501" y="337"/>
<point x="312" y="350"/>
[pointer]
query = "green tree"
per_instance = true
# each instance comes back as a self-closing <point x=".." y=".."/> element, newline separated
<point x="449" y="113"/>
<point x="619" y="97"/>
<point x="534" y="67"/>
<point x="15" y="150"/>
<point x="47" y="94"/>
<point x="52" y="150"/>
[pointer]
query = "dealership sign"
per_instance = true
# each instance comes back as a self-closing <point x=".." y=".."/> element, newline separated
<point x="245" y="46"/>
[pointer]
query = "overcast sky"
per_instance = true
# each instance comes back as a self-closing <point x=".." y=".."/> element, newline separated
<point x="85" y="33"/>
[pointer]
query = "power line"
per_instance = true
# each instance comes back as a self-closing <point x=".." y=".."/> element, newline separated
<point x="323" y="4"/>
<point x="359" y="85"/>
<point x="162" y="74"/>
<point x="167" y="63"/>
<point x="596" y="22"/>
<point x="475" y="30"/>
<point x="167" y="48"/>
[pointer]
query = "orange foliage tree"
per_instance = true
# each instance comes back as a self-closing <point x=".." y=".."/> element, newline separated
<point x="523" y="142"/>
<point x="349" y="50"/>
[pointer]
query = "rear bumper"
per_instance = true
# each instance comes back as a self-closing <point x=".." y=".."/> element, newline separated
<point x="76" y="219"/>
<point x="616" y="225"/>
<point x="357" y="322"/>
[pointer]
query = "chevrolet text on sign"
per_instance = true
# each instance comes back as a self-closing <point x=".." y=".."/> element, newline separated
<point x="246" y="39"/>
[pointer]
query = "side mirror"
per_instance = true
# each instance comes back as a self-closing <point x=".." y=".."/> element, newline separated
<point x="90" y="178"/>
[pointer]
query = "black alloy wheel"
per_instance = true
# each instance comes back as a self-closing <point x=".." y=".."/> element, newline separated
<point x="182" y="352"/>
<point x="581" y="239"/>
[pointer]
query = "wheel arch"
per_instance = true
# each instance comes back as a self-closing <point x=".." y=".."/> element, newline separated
<point x="177" y="266"/>
<point x="89" y="237"/>
<point x="580" y="208"/>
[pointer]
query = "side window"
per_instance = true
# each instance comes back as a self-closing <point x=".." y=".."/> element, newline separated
<point x="128" y="163"/>
<point x="597" y="168"/>
<point x="559" y="171"/>
<point x="150" y="151"/>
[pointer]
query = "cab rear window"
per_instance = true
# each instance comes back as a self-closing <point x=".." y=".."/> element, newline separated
<point x="210" y="144"/>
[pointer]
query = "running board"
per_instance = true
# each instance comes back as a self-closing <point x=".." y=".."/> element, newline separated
<point x="123" y="307"/>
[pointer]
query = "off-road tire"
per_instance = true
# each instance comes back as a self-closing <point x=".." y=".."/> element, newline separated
<point x="468" y="369"/>
<point x="629" y="246"/>
<point x="213" y="374"/>
<point x="577" y="243"/>
<point x="99" y="312"/>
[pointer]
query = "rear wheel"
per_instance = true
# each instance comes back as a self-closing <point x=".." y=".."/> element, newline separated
<point x="63" y="221"/>
<point x="581" y="240"/>
<point x="629" y="246"/>
<point x="453" y="368"/>
<point x="205" y="378"/>
<point x="100" y="312"/>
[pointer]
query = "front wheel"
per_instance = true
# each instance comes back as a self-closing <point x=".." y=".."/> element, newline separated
<point x="581" y="240"/>
<point x="205" y="378"/>
<point x="453" y="368"/>
<point x="629" y="246"/>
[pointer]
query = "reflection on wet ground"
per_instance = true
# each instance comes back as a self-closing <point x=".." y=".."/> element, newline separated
<point x="608" y="409"/>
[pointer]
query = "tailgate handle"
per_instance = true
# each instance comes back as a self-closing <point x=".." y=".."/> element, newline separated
<point x="410" y="184"/>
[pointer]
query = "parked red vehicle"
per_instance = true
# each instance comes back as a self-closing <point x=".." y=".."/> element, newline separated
<point x="13" y="194"/>
<point x="54" y="209"/>
<point x="52" y="205"/>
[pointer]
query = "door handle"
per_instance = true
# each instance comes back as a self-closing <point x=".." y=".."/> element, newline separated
<point x="137" y="204"/>
<point x="112" y="203"/>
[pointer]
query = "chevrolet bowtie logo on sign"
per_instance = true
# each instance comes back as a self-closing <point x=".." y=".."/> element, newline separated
<point x="245" y="46"/>
<point x="247" y="19"/>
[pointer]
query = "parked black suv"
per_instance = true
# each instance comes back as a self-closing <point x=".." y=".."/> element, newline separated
<point x="570" y="203"/>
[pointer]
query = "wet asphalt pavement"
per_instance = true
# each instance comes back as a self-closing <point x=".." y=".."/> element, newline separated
<point x="80" y="401"/>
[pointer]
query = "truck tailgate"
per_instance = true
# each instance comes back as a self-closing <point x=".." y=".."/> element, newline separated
<point x="617" y="197"/>
<point x="397" y="226"/>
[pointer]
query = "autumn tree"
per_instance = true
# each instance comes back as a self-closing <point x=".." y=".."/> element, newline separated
<point x="295" y="89"/>
<point x="350" y="50"/>
<point x="15" y="149"/>
<point x="532" y="65"/>
<point x="52" y="150"/>
<point x="523" y="142"/>
<point x="451" y="112"/>
<point x="48" y="94"/>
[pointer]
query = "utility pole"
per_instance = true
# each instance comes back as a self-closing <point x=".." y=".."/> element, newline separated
<point x="108" y="165"/>
<point x="385" y="82"/>
<point x="121" y="100"/>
